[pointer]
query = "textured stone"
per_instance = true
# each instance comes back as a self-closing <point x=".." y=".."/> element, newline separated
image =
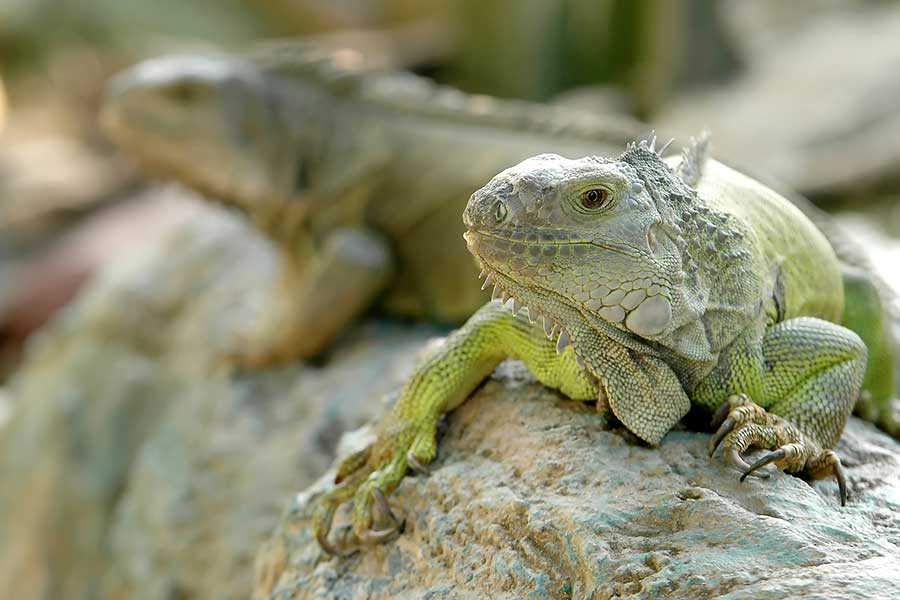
<point x="131" y="465"/>
<point x="555" y="504"/>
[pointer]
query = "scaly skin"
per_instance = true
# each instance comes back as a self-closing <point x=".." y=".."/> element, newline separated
<point x="662" y="285"/>
<point x="344" y="171"/>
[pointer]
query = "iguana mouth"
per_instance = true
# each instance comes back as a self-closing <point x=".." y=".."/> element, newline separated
<point x="503" y="292"/>
<point x="522" y="300"/>
<point x="548" y="243"/>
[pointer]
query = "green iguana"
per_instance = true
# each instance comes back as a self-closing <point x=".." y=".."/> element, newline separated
<point x="358" y="178"/>
<point x="662" y="286"/>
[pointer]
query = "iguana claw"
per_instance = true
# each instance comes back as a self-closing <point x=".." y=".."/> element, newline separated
<point x="378" y="536"/>
<point x="351" y="542"/>
<point x="749" y="425"/>
<point x="716" y="439"/>
<point x="382" y="502"/>
<point x="417" y="466"/>
<point x="332" y="549"/>
<point x="738" y="461"/>
<point x="828" y="461"/>
<point x="368" y="475"/>
<point x="768" y="458"/>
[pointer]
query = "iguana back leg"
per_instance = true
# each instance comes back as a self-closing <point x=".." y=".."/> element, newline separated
<point x="803" y="390"/>
<point x="865" y="313"/>
<point x="317" y="296"/>
<point x="444" y="378"/>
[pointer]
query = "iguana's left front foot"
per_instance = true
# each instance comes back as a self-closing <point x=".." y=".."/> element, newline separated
<point x="742" y="424"/>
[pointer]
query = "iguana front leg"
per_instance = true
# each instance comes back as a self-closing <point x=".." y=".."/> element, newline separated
<point x="322" y="286"/>
<point x="443" y="380"/>
<point x="317" y="296"/>
<point x="803" y="383"/>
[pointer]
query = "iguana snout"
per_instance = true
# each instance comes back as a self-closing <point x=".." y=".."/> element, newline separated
<point x="582" y="232"/>
<point x="205" y="120"/>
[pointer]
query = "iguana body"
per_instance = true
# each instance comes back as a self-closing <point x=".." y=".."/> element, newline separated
<point x="358" y="179"/>
<point x="663" y="286"/>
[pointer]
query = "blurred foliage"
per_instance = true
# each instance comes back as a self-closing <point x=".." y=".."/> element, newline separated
<point x="536" y="49"/>
<point x="32" y="29"/>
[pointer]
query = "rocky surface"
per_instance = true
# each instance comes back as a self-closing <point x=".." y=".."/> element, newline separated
<point x="131" y="466"/>
<point x="556" y="504"/>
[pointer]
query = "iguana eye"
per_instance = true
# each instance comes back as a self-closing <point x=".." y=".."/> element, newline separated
<point x="594" y="198"/>
<point x="500" y="212"/>
<point x="183" y="92"/>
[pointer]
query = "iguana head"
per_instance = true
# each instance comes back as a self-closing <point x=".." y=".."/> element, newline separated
<point x="206" y="121"/>
<point x="592" y="240"/>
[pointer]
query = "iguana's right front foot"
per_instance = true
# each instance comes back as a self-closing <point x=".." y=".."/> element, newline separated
<point x="445" y="376"/>
<point x="316" y="298"/>
<point x="368" y="476"/>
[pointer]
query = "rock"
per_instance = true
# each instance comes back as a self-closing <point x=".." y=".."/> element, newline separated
<point x="556" y="504"/>
<point x="132" y="466"/>
<point x="48" y="277"/>
<point x="208" y="486"/>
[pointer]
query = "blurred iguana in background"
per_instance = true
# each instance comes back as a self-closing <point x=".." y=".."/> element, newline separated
<point x="359" y="179"/>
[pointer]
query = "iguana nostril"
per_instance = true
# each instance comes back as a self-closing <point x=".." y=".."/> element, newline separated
<point x="500" y="211"/>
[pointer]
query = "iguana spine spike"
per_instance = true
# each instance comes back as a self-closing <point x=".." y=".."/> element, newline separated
<point x="562" y="342"/>
<point x="665" y="147"/>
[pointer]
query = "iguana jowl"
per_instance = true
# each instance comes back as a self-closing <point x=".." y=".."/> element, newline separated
<point x="358" y="178"/>
<point x="662" y="285"/>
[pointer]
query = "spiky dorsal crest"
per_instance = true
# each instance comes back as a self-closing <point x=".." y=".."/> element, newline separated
<point x="660" y="179"/>
<point x="341" y="70"/>
<point x="693" y="159"/>
<point x="649" y="143"/>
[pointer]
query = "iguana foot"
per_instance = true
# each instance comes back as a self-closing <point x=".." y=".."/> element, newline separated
<point x="742" y="424"/>
<point x="366" y="477"/>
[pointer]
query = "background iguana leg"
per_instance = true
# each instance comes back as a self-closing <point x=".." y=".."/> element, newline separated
<point x="444" y="378"/>
<point x="316" y="298"/>
<point x="803" y="391"/>
<point x="864" y="313"/>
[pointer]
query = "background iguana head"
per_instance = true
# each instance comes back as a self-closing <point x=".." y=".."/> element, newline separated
<point x="206" y="121"/>
<point x="593" y="236"/>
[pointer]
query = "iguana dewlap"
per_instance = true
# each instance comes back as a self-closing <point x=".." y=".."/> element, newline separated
<point x="660" y="286"/>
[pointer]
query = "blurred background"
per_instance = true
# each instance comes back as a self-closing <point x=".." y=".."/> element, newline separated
<point x="807" y="92"/>
<point x="804" y="93"/>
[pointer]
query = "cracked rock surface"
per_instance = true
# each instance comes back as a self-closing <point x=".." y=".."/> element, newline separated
<point x="554" y="503"/>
